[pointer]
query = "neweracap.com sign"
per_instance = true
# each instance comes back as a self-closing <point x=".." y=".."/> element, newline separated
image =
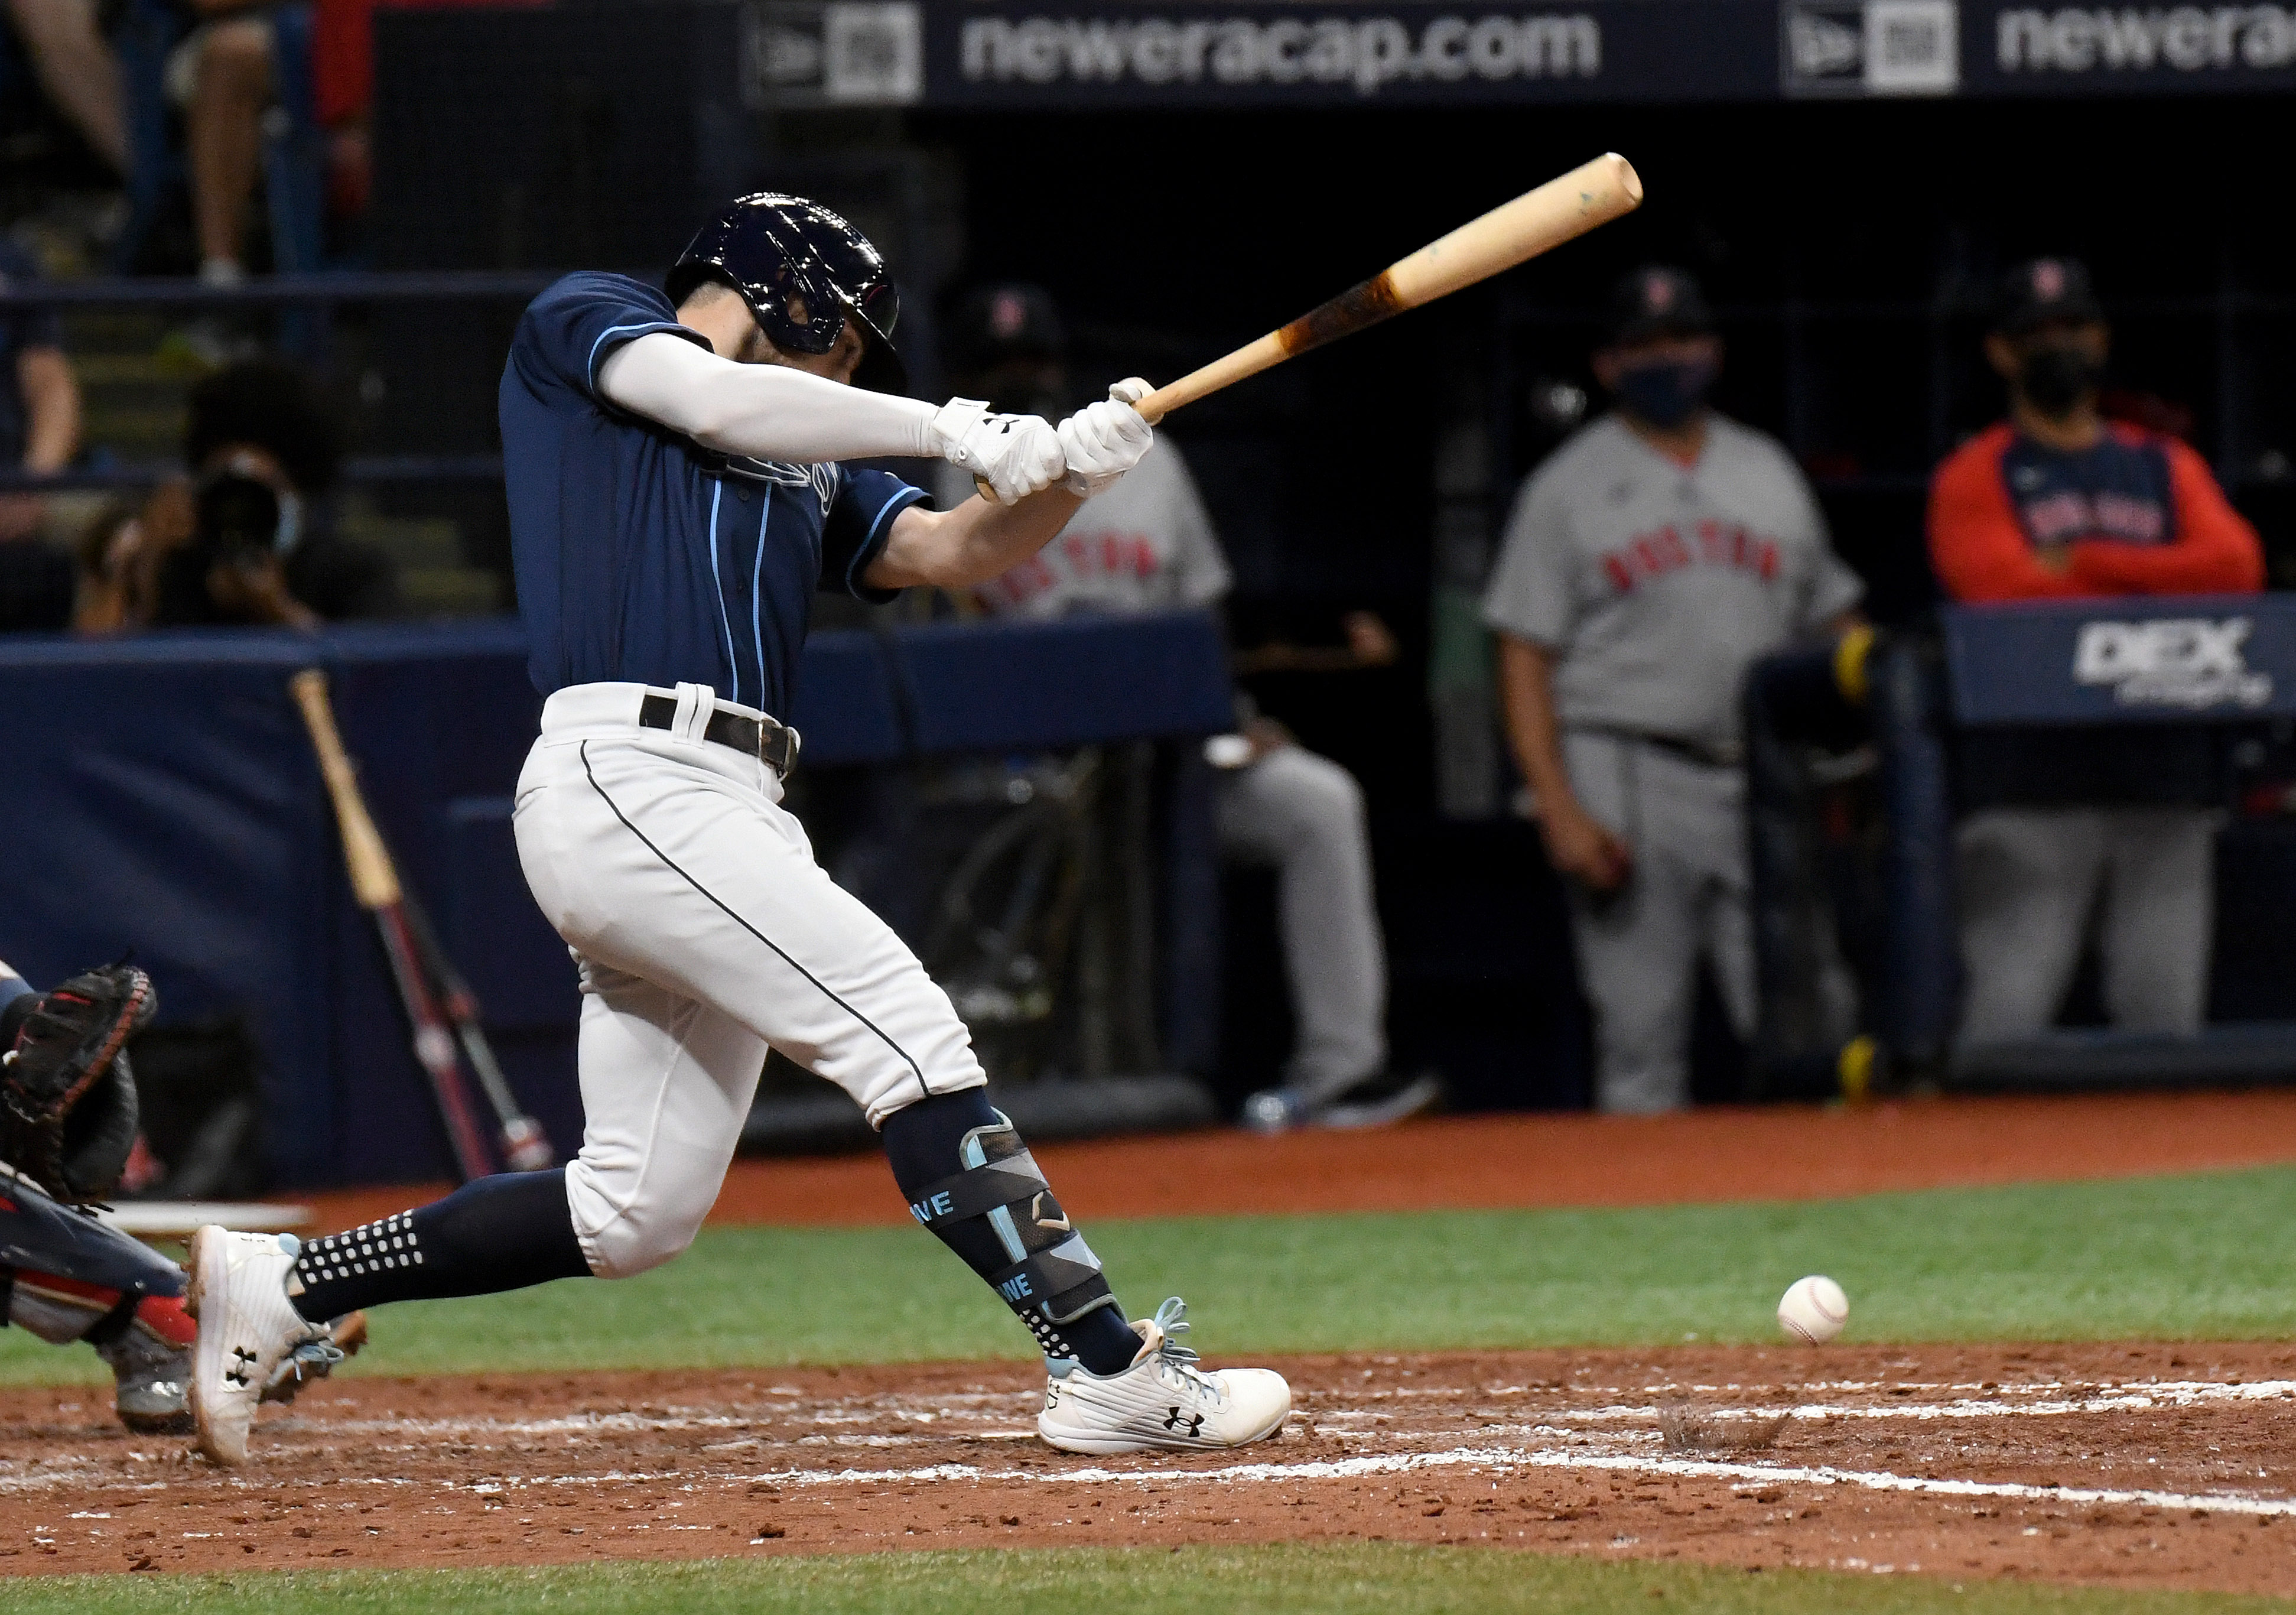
<point x="1097" y="55"/>
<point x="2089" y="49"/>
<point x="2192" y="659"/>
<point x="1092" y="54"/>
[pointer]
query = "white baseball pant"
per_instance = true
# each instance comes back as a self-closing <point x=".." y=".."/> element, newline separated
<point x="1303" y="815"/>
<point x="2031" y="879"/>
<point x="705" y="933"/>
<point x="1686" y="899"/>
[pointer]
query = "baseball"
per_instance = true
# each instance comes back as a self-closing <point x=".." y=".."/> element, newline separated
<point x="1813" y="1309"/>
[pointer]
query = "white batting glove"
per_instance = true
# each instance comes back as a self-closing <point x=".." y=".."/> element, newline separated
<point x="1016" y="455"/>
<point x="1103" y="441"/>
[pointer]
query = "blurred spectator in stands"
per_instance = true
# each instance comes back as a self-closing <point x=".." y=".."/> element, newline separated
<point x="77" y="69"/>
<point x="1647" y="564"/>
<point x="2056" y="502"/>
<point x="115" y="572"/>
<point x="39" y="401"/>
<point x="249" y="540"/>
<point x="220" y="76"/>
<point x="1148" y="545"/>
<point x="39" y="432"/>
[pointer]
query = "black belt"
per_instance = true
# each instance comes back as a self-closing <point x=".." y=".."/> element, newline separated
<point x="1706" y="754"/>
<point x="774" y="745"/>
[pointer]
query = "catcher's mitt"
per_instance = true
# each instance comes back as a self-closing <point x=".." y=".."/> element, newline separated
<point x="67" y="1097"/>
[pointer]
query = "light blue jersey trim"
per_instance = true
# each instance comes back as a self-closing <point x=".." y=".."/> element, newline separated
<point x="631" y="333"/>
<point x="756" y="589"/>
<point x="874" y="544"/>
<point x="717" y="584"/>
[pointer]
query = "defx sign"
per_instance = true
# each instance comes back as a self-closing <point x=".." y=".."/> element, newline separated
<point x="2190" y="662"/>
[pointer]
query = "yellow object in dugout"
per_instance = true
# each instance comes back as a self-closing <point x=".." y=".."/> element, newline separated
<point x="1855" y="1067"/>
<point x="1850" y="653"/>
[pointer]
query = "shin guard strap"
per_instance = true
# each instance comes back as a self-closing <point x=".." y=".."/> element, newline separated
<point x="977" y="1191"/>
<point x="1063" y="1283"/>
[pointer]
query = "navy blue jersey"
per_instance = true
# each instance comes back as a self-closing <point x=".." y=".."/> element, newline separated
<point x="2118" y="488"/>
<point x="641" y="555"/>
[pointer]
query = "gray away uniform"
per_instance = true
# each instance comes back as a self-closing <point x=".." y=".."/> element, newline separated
<point x="1655" y="587"/>
<point x="1147" y="544"/>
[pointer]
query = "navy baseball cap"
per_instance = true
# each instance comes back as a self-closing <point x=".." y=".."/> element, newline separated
<point x="2043" y="290"/>
<point x="1655" y="301"/>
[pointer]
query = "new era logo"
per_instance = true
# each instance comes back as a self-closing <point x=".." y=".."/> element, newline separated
<point x="1869" y="47"/>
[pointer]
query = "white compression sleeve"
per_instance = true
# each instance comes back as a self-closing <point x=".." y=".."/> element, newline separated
<point x="765" y="412"/>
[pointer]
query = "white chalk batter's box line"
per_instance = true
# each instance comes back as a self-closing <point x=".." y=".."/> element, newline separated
<point x="53" y="1473"/>
<point x="1500" y="1460"/>
<point x="2172" y="1392"/>
<point x="2129" y="1399"/>
<point x="1478" y="1460"/>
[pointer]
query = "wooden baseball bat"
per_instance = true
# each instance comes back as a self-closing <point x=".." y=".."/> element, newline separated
<point x="1538" y="221"/>
<point x="374" y="882"/>
<point x="1512" y="233"/>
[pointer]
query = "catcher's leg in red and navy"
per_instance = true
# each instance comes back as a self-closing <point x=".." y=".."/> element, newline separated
<point x="706" y="933"/>
<point x="66" y="1277"/>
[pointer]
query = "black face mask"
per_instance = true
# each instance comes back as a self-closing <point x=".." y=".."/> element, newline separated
<point x="1669" y="392"/>
<point x="2056" y="376"/>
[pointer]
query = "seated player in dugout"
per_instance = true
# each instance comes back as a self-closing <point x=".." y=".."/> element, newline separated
<point x="1654" y="557"/>
<point x="1148" y="545"/>
<point x="2056" y="502"/>
<point x="673" y="460"/>
<point x="68" y="1124"/>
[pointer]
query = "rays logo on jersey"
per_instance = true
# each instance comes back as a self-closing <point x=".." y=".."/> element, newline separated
<point x="787" y="473"/>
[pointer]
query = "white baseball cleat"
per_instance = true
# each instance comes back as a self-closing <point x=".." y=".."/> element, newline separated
<point x="1162" y="1401"/>
<point x="249" y="1329"/>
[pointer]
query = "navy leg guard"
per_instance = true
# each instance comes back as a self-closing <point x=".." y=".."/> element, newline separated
<point x="998" y="1213"/>
<point x="39" y="1233"/>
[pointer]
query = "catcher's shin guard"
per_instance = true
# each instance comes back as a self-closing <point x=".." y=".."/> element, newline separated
<point x="998" y="1213"/>
<point x="39" y="1234"/>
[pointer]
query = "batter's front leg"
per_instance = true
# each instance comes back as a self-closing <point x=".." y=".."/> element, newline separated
<point x="739" y="917"/>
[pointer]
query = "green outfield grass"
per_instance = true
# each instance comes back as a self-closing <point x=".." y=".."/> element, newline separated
<point x="2206" y="1256"/>
<point x="1368" y="1579"/>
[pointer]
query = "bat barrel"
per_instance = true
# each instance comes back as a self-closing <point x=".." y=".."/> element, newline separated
<point x="1538" y="221"/>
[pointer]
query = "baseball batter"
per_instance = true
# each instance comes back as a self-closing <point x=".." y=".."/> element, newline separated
<point x="675" y="495"/>
<point x="1646" y="565"/>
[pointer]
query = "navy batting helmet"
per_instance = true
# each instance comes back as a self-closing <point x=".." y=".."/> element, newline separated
<point x="787" y="257"/>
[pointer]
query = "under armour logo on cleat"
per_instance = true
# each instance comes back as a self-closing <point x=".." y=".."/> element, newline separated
<point x="1194" y="1422"/>
<point x="244" y="1360"/>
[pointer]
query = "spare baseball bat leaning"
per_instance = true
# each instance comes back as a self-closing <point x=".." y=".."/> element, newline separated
<point x="374" y="884"/>
<point x="1513" y="233"/>
<point x="524" y="1146"/>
